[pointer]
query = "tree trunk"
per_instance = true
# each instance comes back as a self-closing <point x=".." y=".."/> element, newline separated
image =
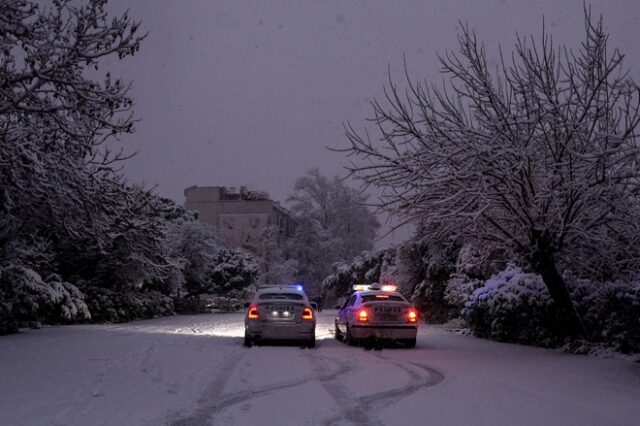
<point x="544" y="263"/>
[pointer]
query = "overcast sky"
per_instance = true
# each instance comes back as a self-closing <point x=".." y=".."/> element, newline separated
<point x="251" y="92"/>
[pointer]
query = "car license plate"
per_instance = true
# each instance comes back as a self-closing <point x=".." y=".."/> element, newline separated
<point x="281" y="312"/>
<point x="389" y="317"/>
<point x="387" y="313"/>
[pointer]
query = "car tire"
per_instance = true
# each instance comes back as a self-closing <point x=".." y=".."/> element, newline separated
<point x="349" y="340"/>
<point x="410" y="343"/>
<point x="247" y="340"/>
<point x="337" y="334"/>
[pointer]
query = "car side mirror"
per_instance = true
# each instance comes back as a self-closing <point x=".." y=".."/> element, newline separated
<point x="314" y="305"/>
<point x="337" y="307"/>
<point x="246" y="305"/>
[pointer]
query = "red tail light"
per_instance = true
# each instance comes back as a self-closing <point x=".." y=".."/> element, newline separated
<point x="253" y="313"/>
<point x="412" y="316"/>
<point x="362" y="315"/>
<point x="307" y="314"/>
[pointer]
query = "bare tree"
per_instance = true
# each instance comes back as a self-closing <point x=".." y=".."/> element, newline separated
<point x="539" y="158"/>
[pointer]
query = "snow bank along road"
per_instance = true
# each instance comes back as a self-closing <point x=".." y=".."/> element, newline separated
<point x="193" y="370"/>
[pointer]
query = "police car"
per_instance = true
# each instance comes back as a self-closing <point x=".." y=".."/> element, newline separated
<point x="280" y="312"/>
<point x="377" y="313"/>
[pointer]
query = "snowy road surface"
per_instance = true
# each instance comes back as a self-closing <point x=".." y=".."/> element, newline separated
<point x="193" y="370"/>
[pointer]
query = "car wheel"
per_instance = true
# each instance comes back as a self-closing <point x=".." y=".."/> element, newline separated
<point x="247" y="340"/>
<point x="410" y="343"/>
<point x="337" y="334"/>
<point x="349" y="339"/>
<point x="308" y="343"/>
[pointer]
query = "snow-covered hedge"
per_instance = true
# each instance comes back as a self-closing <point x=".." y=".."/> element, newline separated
<point x="26" y="300"/>
<point x="189" y="305"/>
<point x="611" y="312"/>
<point x="110" y="306"/>
<point x="458" y="290"/>
<point x="513" y="306"/>
<point x="442" y="272"/>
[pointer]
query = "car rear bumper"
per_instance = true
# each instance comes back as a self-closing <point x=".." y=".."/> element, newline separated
<point x="270" y="330"/>
<point x="391" y="332"/>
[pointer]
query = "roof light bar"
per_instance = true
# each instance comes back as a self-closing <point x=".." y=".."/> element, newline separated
<point x="298" y="287"/>
<point x="361" y="287"/>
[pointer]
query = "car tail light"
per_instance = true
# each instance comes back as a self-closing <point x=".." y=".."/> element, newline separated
<point x="412" y="316"/>
<point x="253" y="313"/>
<point x="307" y="314"/>
<point x="362" y="315"/>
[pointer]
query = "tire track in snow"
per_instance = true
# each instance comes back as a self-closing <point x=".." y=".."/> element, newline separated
<point x="327" y="371"/>
<point x="358" y="409"/>
<point x="351" y="408"/>
<point x="74" y="410"/>
<point x="213" y="401"/>
<point x="417" y="381"/>
<point x="211" y="397"/>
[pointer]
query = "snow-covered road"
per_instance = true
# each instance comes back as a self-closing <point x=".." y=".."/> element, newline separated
<point x="193" y="370"/>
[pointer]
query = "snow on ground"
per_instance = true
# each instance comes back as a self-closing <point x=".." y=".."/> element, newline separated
<point x="193" y="370"/>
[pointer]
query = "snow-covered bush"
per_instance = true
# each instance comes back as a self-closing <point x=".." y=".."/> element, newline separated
<point x="476" y="261"/>
<point x="514" y="306"/>
<point x="189" y="305"/>
<point x="192" y="247"/>
<point x="111" y="306"/>
<point x="426" y="261"/>
<point x="368" y="267"/>
<point x="69" y="303"/>
<point x="441" y="272"/>
<point x="231" y="273"/>
<point x="459" y="288"/>
<point x="26" y="299"/>
<point x="611" y="312"/>
<point x="474" y="266"/>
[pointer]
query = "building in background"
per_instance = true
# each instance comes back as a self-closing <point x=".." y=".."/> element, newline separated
<point x="240" y="215"/>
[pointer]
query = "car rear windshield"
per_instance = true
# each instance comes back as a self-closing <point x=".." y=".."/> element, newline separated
<point x="281" y="296"/>
<point x="382" y="298"/>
